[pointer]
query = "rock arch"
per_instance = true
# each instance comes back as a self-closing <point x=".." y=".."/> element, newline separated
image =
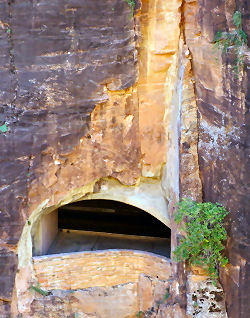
<point x="33" y="270"/>
<point x="146" y="196"/>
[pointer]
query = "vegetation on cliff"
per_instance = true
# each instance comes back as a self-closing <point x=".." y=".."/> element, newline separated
<point x="205" y="233"/>
<point x="131" y="4"/>
<point x="236" y="40"/>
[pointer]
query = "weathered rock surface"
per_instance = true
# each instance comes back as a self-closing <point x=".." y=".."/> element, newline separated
<point x="98" y="268"/>
<point x="89" y="94"/>
<point x="117" y="301"/>
<point x="222" y="101"/>
<point x="203" y="298"/>
<point x="57" y="65"/>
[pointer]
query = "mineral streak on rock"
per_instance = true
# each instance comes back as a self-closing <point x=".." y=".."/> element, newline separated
<point x="190" y="183"/>
<point x="92" y="96"/>
<point x="158" y="50"/>
<point x="222" y="101"/>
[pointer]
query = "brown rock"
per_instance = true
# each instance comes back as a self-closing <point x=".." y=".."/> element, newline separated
<point x="145" y="292"/>
<point x="87" y="93"/>
<point x="98" y="268"/>
<point x="117" y="301"/>
<point x="4" y="309"/>
<point x="223" y="138"/>
<point x="57" y="65"/>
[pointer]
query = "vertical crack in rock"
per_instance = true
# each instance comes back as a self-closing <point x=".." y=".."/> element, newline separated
<point x="182" y="21"/>
<point x="12" y="66"/>
<point x="190" y="182"/>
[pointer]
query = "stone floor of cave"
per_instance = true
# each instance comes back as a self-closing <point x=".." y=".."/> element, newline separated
<point x="69" y="241"/>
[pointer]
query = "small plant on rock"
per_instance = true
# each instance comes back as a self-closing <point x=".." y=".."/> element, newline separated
<point x="205" y="233"/>
<point x="4" y="128"/>
<point x="38" y="289"/>
<point x="236" y="40"/>
<point x="131" y="4"/>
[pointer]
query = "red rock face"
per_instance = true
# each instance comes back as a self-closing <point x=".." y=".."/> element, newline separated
<point x="58" y="61"/>
<point x="223" y="138"/>
<point x="79" y="108"/>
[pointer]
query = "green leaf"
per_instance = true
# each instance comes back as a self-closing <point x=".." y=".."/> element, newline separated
<point x="237" y="19"/>
<point x="243" y="36"/>
<point x="4" y="128"/>
<point x="166" y="294"/>
<point x="39" y="290"/>
<point x="236" y="40"/>
<point x="131" y="4"/>
<point x="218" y="36"/>
<point x="205" y="234"/>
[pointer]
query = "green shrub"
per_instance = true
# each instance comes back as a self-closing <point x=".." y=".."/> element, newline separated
<point x="205" y="233"/>
<point x="236" y="39"/>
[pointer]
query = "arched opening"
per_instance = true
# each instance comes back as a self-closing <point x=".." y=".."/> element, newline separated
<point x="92" y="225"/>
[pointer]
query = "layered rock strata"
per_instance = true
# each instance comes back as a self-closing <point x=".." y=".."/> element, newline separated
<point x="101" y="105"/>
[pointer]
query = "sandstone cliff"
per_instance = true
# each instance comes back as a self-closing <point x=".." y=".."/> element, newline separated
<point x="99" y="104"/>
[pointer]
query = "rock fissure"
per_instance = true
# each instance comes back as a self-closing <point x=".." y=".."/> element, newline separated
<point x="12" y="67"/>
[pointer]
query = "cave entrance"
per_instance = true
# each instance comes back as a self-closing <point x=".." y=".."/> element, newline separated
<point x="91" y="225"/>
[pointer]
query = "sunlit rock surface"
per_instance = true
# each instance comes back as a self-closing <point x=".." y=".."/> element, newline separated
<point x="99" y="104"/>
